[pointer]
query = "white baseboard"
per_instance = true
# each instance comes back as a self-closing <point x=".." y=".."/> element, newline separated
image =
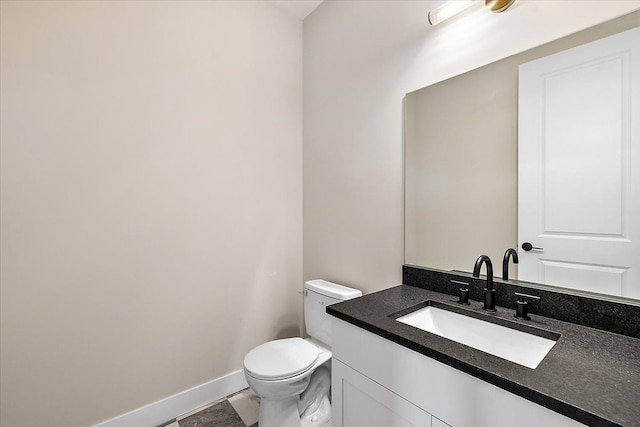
<point x="173" y="406"/>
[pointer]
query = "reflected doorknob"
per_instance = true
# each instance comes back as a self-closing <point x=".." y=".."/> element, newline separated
<point x="528" y="246"/>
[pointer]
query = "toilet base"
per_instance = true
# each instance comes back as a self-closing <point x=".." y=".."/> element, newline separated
<point x="320" y="418"/>
<point x="303" y="403"/>
<point x="279" y="413"/>
<point x="284" y="413"/>
<point x="314" y="405"/>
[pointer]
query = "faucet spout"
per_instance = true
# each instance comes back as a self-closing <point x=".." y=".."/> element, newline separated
<point x="483" y="259"/>
<point x="489" y="291"/>
<point x="505" y="262"/>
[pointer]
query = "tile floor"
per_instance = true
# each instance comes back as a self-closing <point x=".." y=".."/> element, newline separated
<point x="238" y="410"/>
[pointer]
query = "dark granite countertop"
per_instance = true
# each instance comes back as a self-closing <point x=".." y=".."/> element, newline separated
<point x="591" y="376"/>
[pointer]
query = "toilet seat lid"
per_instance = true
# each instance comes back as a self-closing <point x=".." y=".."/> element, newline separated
<point x="281" y="359"/>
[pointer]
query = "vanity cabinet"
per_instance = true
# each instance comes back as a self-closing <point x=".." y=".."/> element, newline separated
<point x="363" y="402"/>
<point x="379" y="383"/>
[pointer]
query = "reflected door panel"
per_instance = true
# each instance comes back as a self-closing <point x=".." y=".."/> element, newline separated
<point x="578" y="167"/>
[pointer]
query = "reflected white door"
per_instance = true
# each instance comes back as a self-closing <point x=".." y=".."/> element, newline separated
<point x="579" y="167"/>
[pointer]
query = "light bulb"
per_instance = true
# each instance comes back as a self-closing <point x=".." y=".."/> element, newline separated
<point x="448" y="10"/>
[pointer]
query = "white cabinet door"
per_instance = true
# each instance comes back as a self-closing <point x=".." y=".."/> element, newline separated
<point x="579" y="167"/>
<point x="358" y="401"/>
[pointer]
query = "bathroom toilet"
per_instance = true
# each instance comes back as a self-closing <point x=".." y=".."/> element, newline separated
<point x="292" y="376"/>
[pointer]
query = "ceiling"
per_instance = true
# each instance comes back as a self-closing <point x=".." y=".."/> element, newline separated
<point x="298" y="8"/>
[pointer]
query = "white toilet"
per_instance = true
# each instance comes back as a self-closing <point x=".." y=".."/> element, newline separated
<point x="292" y="375"/>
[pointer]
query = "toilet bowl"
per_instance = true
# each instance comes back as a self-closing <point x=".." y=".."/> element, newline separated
<point x="292" y="376"/>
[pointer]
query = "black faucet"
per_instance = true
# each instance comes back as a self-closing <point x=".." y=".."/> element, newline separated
<point x="505" y="262"/>
<point x="489" y="292"/>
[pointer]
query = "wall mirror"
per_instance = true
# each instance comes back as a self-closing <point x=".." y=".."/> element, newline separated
<point x="462" y="166"/>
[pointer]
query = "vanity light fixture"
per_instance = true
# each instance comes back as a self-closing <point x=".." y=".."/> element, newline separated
<point x="448" y="10"/>
<point x="454" y="7"/>
<point x="498" y="5"/>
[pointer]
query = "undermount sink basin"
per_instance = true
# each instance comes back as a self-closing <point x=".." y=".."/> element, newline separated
<point x="526" y="349"/>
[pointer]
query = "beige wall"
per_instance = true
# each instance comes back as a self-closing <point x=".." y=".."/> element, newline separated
<point x="461" y="176"/>
<point x="151" y="199"/>
<point x="360" y="59"/>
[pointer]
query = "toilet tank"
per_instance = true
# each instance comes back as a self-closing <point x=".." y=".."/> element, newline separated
<point x="317" y="296"/>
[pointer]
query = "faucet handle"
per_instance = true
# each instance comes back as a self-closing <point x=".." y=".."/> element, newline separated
<point x="522" y="307"/>
<point x="463" y="291"/>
